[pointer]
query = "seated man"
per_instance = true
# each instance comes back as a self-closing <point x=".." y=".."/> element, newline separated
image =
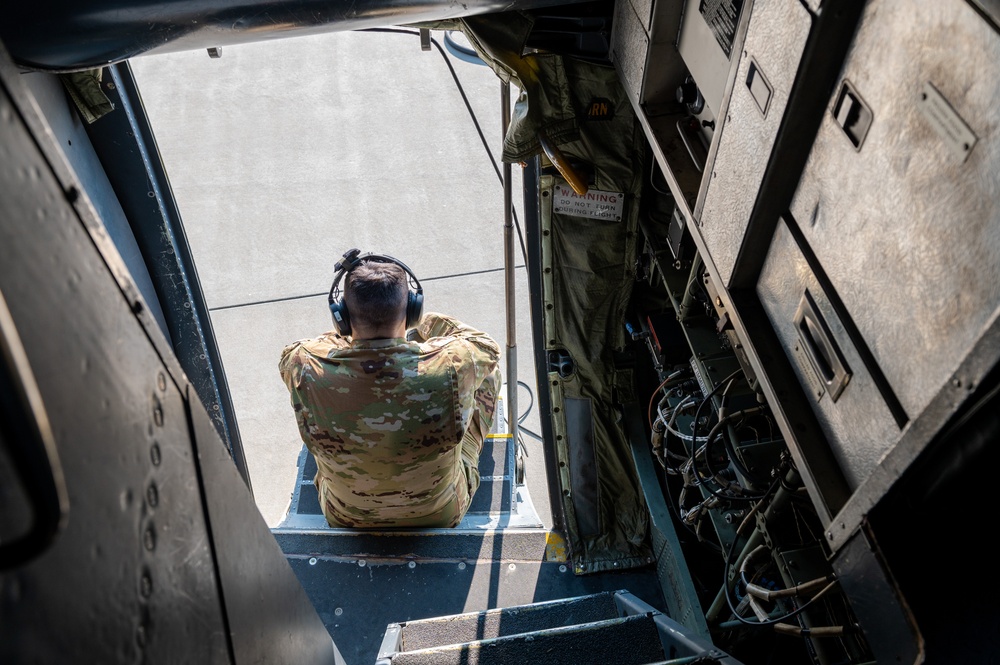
<point x="396" y="425"/>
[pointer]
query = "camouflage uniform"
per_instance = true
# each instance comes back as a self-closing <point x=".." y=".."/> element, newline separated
<point x="396" y="426"/>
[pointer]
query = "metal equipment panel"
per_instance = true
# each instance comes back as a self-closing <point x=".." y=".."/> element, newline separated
<point x="644" y="45"/>
<point x="775" y="39"/>
<point x="859" y="426"/>
<point x="629" y="45"/>
<point x="701" y="44"/>
<point x="899" y="197"/>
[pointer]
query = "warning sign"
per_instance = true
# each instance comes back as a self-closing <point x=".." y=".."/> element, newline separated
<point x="595" y="204"/>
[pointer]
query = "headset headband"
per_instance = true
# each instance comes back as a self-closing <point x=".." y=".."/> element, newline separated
<point x="351" y="260"/>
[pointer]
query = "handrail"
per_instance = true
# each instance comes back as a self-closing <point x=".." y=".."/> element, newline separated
<point x="509" y="263"/>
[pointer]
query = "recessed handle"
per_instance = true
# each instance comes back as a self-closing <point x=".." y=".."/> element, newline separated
<point x="820" y="347"/>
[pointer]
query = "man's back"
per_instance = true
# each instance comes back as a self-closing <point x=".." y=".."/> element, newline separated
<point x="385" y="420"/>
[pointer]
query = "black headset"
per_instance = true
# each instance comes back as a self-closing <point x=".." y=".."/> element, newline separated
<point x="353" y="258"/>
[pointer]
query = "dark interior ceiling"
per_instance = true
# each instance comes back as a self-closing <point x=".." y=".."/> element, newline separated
<point x="68" y="35"/>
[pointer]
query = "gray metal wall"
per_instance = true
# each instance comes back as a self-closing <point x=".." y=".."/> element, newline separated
<point x="163" y="556"/>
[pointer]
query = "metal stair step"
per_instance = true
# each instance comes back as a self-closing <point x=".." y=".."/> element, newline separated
<point x="493" y="496"/>
<point x="632" y="640"/>
<point x="494" y="459"/>
<point x="505" y="621"/>
<point x="307" y="501"/>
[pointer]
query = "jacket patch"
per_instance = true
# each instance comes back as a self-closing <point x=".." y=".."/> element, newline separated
<point x="600" y="108"/>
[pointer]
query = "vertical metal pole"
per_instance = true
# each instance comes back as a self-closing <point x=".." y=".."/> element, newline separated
<point x="508" y="267"/>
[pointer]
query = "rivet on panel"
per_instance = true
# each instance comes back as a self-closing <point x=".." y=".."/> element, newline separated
<point x="125" y="500"/>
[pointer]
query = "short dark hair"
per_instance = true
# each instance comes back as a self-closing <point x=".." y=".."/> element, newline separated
<point x="375" y="293"/>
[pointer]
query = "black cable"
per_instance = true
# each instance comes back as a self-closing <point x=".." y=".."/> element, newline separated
<point x="667" y="435"/>
<point x="708" y="440"/>
<point x="523" y="416"/>
<point x="323" y="293"/>
<point x="738" y="463"/>
<point x="730" y="448"/>
<point x="675" y="511"/>
<point x="714" y="434"/>
<point x="475" y="120"/>
<point x="725" y="580"/>
<point x="697" y="413"/>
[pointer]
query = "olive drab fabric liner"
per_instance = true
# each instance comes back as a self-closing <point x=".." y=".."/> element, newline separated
<point x="592" y="279"/>
<point x="84" y="88"/>
<point x="545" y="103"/>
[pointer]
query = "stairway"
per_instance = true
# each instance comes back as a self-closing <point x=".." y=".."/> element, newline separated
<point x="607" y="627"/>
<point x="361" y="579"/>
<point x="500" y="556"/>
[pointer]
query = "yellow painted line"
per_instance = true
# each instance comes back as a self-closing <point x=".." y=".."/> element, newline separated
<point x="555" y="547"/>
<point x="499" y="436"/>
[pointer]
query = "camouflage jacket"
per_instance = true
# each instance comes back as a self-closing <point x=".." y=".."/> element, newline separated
<point x="385" y="419"/>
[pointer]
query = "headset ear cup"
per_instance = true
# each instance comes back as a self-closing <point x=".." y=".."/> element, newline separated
<point x="414" y="308"/>
<point x="341" y="318"/>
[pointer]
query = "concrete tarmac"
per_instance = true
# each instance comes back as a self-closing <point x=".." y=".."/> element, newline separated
<point x="284" y="154"/>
